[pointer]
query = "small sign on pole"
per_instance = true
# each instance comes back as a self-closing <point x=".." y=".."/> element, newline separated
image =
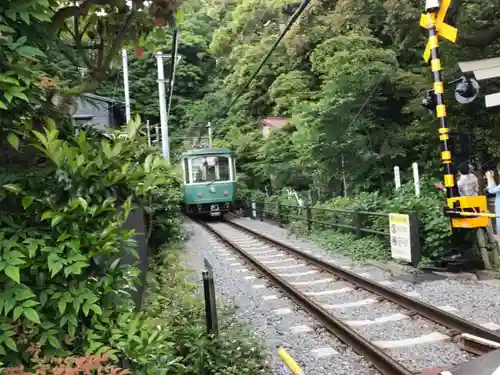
<point x="404" y="235"/>
<point x="397" y="178"/>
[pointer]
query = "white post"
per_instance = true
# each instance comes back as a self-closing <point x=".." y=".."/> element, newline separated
<point x="209" y="126"/>
<point x="344" y="182"/>
<point x="163" y="106"/>
<point x="125" y="84"/>
<point x="397" y="178"/>
<point x="148" y="132"/>
<point x="416" y="179"/>
<point x="157" y="135"/>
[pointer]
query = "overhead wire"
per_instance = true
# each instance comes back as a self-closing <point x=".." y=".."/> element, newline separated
<point x="171" y="74"/>
<point x="291" y="21"/>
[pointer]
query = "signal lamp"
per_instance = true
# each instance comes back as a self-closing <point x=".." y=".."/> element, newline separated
<point x="430" y="101"/>
<point x="467" y="90"/>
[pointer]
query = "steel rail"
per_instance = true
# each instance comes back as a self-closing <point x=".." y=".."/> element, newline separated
<point x="381" y="361"/>
<point x="423" y="309"/>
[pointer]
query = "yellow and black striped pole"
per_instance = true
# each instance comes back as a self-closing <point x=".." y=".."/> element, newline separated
<point x="449" y="179"/>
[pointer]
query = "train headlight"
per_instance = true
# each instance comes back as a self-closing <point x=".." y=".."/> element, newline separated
<point x="200" y="194"/>
<point x="226" y="193"/>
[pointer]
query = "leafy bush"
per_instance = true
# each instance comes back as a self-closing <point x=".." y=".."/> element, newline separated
<point x="62" y="284"/>
<point x="173" y="304"/>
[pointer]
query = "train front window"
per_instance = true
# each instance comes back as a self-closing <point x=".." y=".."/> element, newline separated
<point x="210" y="169"/>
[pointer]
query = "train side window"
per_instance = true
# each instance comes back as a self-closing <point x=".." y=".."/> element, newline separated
<point x="186" y="171"/>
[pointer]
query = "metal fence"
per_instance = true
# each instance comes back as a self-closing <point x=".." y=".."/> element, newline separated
<point x="360" y="223"/>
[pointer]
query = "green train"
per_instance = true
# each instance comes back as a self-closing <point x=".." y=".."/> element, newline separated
<point x="209" y="181"/>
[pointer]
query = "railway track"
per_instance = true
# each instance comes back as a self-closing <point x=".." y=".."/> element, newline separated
<point x="278" y="262"/>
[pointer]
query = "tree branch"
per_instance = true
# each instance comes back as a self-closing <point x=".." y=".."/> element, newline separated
<point x="480" y="39"/>
<point x="118" y="42"/>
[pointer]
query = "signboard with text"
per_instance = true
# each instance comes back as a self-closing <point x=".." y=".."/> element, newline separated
<point x="403" y="230"/>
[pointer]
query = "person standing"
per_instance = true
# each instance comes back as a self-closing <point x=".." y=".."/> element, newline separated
<point x="494" y="189"/>
<point x="467" y="182"/>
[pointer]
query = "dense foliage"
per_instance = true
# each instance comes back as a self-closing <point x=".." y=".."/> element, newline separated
<point x="351" y="77"/>
<point x="66" y="286"/>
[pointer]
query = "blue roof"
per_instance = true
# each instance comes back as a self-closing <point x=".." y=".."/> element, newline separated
<point x="207" y="151"/>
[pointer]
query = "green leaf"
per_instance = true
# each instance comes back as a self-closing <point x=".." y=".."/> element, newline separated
<point x="48" y="215"/>
<point x="95" y="308"/>
<point x="28" y="51"/>
<point x="32" y="248"/>
<point x="24" y="294"/>
<point x="13" y="188"/>
<point x="27" y="201"/>
<point x="2" y="105"/>
<point x="31" y="315"/>
<point x="13" y="140"/>
<point x="43" y="298"/>
<point x="56" y="220"/>
<point x="54" y="342"/>
<point x="62" y="306"/>
<point x="17" y="312"/>
<point x="10" y="343"/>
<point x="13" y="273"/>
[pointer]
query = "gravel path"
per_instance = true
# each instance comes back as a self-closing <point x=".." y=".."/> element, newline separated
<point x="272" y="316"/>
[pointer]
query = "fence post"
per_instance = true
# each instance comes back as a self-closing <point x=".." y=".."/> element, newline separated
<point x="210" y="302"/>
<point x="262" y="209"/>
<point x="357" y="224"/>
<point x="254" y="212"/>
<point x="280" y="214"/>
<point x="309" y="217"/>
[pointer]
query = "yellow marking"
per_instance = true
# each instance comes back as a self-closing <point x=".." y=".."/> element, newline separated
<point x="446" y="161"/>
<point x="449" y="180"/>
<point x="443" y="130"/>
<point x="445" y="155"/>
<point x="448" y="32"/>
<point x="290" y="362"/>
<point x="441" y="110"/>
<point x="436" y="65"/>
<point x="443" y="137"/>
<point x="434" y="41"/>
<point x="470" y="220"/>
<point x="430" y="20"/>
<point x="400" y="219"/>
<point x="438" y="87"/>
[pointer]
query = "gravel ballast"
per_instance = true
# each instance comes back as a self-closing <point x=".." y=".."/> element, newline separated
<point x="470" y="299"/>
<point x="270" y="319"/>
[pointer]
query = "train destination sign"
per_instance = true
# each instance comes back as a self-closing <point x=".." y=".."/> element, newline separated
<point x="404" y="238"/>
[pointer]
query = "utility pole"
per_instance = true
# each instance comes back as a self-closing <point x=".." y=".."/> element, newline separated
<point x="125" y="84"/>
<point x="163" y="106"/>
<point x="174" y="61"/>
<point x="209" y="126"/>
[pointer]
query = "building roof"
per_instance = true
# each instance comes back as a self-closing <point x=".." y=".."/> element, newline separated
<point x="100" y="98"/>
<point x="275" y="122"/>
<point x="207" y="151"/>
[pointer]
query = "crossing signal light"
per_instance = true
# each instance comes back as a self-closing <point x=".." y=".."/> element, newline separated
<point x="467" y="90"/>
<point x="430" y="101"/>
